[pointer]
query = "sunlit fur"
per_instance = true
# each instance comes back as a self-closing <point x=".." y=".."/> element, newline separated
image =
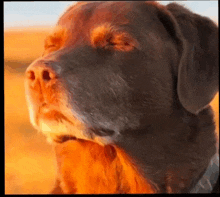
<point x="107" y="36"/>
<point x="88" y="168"/>
<point x="54" y="124"/>
<point x="55" y="40"/>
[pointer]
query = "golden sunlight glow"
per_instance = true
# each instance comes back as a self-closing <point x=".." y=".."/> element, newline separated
<point x="29" y="159"/>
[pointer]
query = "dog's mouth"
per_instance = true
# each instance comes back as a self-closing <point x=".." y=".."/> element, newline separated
<point x="64" y="138"/>
<point x="61" y="127"/>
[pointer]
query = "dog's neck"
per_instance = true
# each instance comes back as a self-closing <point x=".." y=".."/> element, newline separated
<point x="169" y="167"/>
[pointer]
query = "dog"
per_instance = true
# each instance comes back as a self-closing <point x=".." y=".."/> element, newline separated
<point x="122" y="92"/>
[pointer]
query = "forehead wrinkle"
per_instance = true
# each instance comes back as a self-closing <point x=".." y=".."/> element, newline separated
<point x="96" y="12"/>
<point x="76" y="20"/>
<point x="78" y="12"/>
<point x="81" y="18"/>
<point x="111" y="12"/>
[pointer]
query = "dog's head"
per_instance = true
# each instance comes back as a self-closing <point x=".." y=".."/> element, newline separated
<point x="110" y="69"/>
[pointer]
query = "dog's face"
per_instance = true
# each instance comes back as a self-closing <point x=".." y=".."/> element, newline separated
<point x="111" y="73"/>
<point x="136" y="75"/>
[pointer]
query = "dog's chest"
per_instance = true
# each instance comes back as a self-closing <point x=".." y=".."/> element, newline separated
<point x="88" y="168"/>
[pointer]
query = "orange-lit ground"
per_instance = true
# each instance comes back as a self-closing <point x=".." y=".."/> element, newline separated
<point x="29" y="159"/>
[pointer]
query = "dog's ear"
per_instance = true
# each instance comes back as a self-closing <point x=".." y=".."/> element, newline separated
<point x="198" y="70"/>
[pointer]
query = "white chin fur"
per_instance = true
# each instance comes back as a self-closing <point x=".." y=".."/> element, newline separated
<point x="53" y="129"/>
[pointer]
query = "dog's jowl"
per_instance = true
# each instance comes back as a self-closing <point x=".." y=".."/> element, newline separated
<point x="122" y="91"/>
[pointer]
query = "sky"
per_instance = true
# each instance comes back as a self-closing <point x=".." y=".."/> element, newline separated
<point x="40" y="13"/>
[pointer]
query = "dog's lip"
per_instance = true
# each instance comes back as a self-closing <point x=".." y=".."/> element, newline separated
<point x="64" y="138"/>
<point x="49" y="112"/>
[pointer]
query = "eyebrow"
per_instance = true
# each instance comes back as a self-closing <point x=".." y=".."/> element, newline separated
<point x="56" y="38"/>
<point x="106" y="35"/>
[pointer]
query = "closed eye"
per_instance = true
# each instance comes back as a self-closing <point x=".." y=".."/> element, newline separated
<point x="56" y="39"/>
<point x="108" y="37"/>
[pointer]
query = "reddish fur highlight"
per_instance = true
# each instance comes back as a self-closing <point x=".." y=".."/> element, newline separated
<point x="87" y="168"/>
<point x="55" y="40"/>
<point x="107" y="36"/>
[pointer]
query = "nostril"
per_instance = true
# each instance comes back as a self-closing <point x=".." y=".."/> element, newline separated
<point x="46" y="75"/>
<point x="41" y="71"/>
<point x="31" y="75"/>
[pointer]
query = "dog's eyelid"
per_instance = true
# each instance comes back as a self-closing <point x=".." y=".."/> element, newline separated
<point x="110" y="37"/>
<point x="56" y="39"/>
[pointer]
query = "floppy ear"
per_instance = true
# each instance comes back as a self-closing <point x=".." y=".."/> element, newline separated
<point x="198" y="70"/>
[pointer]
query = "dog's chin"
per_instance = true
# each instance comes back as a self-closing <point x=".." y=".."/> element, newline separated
<point x="54" y="129"/>
<point x="58" y="128"/>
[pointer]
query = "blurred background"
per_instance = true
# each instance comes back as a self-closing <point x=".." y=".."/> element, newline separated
<point x="30" y="165"/>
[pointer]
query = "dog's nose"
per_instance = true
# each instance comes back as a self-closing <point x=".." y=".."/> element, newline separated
<point x="40" y="71"/>
<point x="42" y="82"/>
